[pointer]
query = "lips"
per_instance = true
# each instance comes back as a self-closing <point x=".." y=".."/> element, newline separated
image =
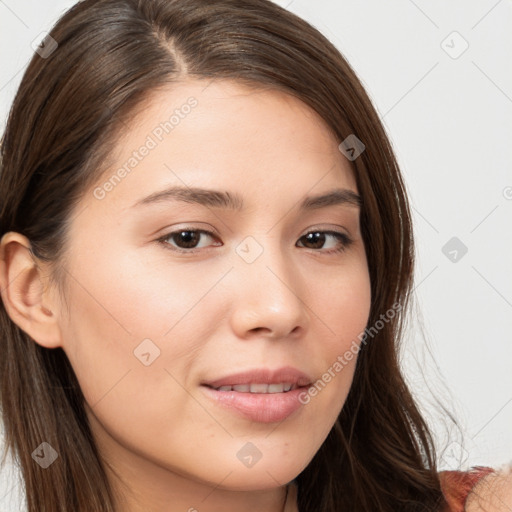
<point x="261" y="395"/>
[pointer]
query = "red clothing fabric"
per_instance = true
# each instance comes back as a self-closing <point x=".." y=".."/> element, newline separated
<point x="457" y="485"/>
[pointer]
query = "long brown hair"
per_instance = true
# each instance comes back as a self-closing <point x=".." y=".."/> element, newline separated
<point x="110" y="55"/>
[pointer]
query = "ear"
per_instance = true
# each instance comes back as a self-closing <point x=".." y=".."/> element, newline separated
<point x="23" y="290"/>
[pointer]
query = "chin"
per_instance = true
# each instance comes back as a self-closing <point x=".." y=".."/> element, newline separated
<point x="273" y="473"/>
<point x="261" y="480"/>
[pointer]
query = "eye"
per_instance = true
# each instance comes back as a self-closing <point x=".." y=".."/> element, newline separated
<point x="336" y="241"/>
<point x="185" y="239"/>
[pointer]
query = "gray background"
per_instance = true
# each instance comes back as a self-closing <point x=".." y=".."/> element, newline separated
<point x="448" y="112"/>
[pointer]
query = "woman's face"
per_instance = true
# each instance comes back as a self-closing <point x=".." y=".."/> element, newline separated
<point x="252" y="280"/>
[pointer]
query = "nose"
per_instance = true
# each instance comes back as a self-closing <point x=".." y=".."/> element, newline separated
<point x="270" y="298"/>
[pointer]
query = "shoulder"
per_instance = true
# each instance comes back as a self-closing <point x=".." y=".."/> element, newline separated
<point x="492" y="493"/>
<point x="477" y="490"/>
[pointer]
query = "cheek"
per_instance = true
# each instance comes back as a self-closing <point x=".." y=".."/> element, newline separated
<point x="131" y="376"/>
<point x="126" y="298"/>
<point x="134" y="329"/>
<point x="342" y="309"/>
<point x="115" y="326"/>
<point x="341" y="299"/>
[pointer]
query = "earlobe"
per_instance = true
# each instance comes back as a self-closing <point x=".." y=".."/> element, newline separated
<point x="23" y="291"/>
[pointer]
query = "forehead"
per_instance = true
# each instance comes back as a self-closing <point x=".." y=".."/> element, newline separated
<point x="223" y="133"/>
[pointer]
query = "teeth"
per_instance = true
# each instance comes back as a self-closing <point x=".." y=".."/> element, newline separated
<point x="242" y="388"/>
<point x="259" y="388"/>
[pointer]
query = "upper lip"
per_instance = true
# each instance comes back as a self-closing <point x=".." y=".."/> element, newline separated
<point x="287" y="374"/>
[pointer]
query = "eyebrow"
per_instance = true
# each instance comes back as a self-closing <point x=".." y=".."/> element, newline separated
<point x="229" y="201"/>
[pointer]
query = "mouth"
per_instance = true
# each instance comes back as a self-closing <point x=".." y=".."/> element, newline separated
<point x="262" y="388"/>
<point x="261" y="395"/>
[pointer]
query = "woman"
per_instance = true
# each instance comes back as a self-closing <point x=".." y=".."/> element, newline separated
<point x="206" y="259"/>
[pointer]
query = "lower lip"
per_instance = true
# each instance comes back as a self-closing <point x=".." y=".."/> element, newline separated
<point x="260" y="407"/>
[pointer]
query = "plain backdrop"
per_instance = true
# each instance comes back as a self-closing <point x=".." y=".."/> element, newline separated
<point x="439" y="75"/>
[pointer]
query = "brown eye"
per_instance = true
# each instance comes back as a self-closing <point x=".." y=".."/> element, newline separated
<point x="186" y="240"/>
<point x="318" y="240"/>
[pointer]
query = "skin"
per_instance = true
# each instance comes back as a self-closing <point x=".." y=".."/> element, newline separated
<point x="492" y="493"/>
<point x="209" y="312"/>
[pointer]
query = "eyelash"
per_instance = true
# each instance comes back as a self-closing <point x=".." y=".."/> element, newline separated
<point x="342" y="237"/>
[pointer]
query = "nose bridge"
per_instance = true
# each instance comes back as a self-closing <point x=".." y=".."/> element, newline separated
<point x="264" y="261"/>
<point x="270" y="295"/>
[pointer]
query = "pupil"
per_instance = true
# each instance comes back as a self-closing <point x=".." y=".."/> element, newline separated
<point x="316" y="238"/>
<point x="190" y="238"/>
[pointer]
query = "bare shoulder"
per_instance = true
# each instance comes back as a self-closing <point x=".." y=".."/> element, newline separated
<point x="493" y="493"/>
